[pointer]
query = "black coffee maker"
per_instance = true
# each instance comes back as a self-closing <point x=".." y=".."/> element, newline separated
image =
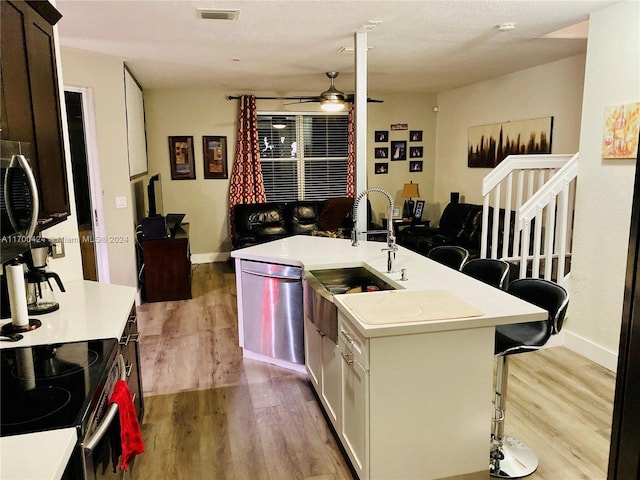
<point x="40" y="297"/>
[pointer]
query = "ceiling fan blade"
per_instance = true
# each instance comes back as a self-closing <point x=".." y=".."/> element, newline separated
<point x="351" y="97"/>
<point x="304" y="100"/>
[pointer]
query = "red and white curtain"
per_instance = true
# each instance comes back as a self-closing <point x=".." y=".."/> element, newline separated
<point x="351" y="156"/>
<point x="246" y="185"/>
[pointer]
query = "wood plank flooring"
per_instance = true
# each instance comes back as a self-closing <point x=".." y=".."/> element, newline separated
<point x="210" y="414"/>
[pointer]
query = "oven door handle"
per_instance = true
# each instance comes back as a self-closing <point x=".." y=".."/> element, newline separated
<point x="112" y="411"/>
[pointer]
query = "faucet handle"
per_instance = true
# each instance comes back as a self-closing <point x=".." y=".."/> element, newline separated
<point x="403" y="277"/>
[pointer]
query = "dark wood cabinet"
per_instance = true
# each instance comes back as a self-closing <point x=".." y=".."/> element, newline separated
<point x="30" y="98"/>
<point x="130" y="350"/>
<point x="167" y="267"/>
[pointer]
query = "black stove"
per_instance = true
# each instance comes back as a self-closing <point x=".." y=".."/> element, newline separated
<point x="47" y="387"/>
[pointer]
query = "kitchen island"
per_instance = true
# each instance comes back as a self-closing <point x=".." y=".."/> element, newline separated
<point x="88" y="311"/>
<point x="407" y="385"/>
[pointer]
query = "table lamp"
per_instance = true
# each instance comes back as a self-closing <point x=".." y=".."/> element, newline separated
<point x="409" y="190"/>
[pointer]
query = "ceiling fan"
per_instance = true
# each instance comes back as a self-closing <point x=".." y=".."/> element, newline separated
<point x="331" y="100"/>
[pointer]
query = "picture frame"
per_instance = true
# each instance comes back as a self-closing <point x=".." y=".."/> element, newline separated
<point x="381" y="136"/>
<point x="415" y="166"/>
<point x="381" y="168"/>
<point x="381" y="152"/>
<point x="415" y="152"/>
<point x="415" y="135"/>
<point x="398" y="150"/>
<point x="399" y="126"/>
<point x="417" y="213"/>
<point x="214" y="155"/>
<point x="181" y="158"/>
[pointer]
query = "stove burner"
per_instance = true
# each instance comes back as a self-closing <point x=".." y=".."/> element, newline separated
<point x="33" y="405"/>
<point x="46" y="387"/>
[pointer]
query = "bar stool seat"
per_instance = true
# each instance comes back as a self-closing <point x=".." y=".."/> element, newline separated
<point x="510" y="458"/>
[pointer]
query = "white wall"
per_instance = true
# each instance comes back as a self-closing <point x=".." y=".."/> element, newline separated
<point x="605" y="187"/>
<point x="104" y="74"/>
<point x="553" y="89"/>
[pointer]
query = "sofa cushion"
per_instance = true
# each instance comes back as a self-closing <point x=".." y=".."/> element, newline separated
<point x="334" y="213"/>
<point x="261" y="219"/>
<point x="304" y="216"/>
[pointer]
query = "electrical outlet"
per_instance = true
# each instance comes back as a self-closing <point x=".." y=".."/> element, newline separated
<point x="57" y="247"/>
<point x="121" y="202"/>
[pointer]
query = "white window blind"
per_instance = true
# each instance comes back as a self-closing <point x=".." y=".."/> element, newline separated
<point x="306" y="157"/>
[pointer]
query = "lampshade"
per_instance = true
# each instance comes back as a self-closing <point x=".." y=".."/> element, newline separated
<point x="410" y="190"/>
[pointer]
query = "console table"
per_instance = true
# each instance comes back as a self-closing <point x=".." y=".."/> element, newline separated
<point x="167" y="267"/>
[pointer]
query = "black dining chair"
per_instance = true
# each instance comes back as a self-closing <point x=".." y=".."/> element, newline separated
<point x="488" y="270"/>
<point x="510" y="458"/>
<point x="449" y="255"/>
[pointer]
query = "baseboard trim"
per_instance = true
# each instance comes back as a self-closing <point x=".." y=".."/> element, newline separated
<point x="210" y="257"/>
<point x="591" y="350"/>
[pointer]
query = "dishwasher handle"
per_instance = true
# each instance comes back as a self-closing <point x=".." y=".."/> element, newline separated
<point x="271" y="275"/>
<point x="270" y="270"/>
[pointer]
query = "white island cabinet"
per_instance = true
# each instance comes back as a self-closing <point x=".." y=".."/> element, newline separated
<point x="407" y="386"/>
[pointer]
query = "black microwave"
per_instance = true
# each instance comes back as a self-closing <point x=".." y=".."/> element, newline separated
<point x="19" y="204"/>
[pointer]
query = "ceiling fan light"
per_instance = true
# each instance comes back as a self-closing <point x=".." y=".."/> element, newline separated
<point x="333" y="99"/>
<point x="278" y="123"/>
<point x="331" y="105"/>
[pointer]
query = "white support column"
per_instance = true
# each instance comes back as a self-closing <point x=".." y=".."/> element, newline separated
<point x="360" y="40"/>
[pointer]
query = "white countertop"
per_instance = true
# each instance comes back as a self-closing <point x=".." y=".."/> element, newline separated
<point x="316" y="253"/>
<point x="88" y="310"/>
<point x="36" y="456"/>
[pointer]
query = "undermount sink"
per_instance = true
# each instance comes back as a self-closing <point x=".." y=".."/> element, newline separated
<point x="350" y="280"/>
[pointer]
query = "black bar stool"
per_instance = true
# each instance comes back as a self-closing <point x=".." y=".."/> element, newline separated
<point x="488" y="270"/>
<point x="510" y="458"/>
<point x="450" y="255"/>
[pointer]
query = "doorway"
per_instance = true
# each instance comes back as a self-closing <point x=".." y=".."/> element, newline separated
<point x="86" y="183"/>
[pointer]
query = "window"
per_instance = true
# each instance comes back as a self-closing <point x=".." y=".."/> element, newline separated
<point x="303" y="156"/>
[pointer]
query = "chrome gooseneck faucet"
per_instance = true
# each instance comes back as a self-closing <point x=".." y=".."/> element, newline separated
<point x="392" y="248"/>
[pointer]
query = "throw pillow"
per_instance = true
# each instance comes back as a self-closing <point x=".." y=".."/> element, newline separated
<point x="334" y="213"/>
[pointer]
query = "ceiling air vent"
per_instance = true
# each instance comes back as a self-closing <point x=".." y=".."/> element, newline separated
<point x="215" y="14"/>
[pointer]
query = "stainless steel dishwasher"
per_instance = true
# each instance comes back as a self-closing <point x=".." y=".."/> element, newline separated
<point x="272" y="310"/>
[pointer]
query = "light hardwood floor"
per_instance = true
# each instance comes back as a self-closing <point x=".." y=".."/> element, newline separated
<point x="210" y="414"/>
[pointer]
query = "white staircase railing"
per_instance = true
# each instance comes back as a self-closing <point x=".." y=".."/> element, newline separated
<point x="543" y="199"/>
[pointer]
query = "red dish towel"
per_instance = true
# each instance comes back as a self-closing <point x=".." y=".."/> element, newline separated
<point x="131" y="443"/>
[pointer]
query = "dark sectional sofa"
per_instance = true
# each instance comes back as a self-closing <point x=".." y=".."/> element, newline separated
<point x="460" y="224"/>
<point x="263" y="222"/>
